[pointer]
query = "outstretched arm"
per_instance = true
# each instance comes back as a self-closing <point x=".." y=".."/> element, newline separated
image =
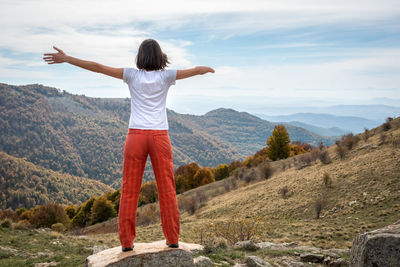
<point x="199" y="70"/>
<point x="60" y="57"/>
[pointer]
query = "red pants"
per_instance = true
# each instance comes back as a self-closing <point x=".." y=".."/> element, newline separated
<point x="139" y="143"/>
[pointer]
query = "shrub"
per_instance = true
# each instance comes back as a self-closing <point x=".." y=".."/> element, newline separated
<point x="148" y="214"/>
<point x="266" y="170"/>
<point x="251" y="177"/>
<point x="49" y="214"/>
<point x="10" y="214"/>
<point x="26" y="215"/>
<point x="318" y="207"/>
<point x="20" y="211"/>
<point x="366" y="135"/>
<point x="203" y="176"/>
<point x="58" y="227"/>
<point x="305" y="160"/>
<point x="324" y="157"/>
<point x="82" y="217"/>
<point x="387" y="125"/>
<point x="283" y="191"/>
<point x="341" y="150"/>
<point x="22" y="225"/>
<point x="148" y="193"/>
<point x="238" y="229"/>
<point x="189" y="204"/>
<point x="6" y="223"/>
<point x="383" y="137"/>
<point x="326" y="178"/>
<point x="102" y="210"/>
<point x="221" y="172"/>
<point x="349" y="140"/>
<point x="71" y="211"/>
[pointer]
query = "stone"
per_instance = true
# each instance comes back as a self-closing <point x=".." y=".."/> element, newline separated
<point x="312" y="257"/>
<point x="380" y="247"/>
<point x="296" y="264"/>
<point x="146" y="255"/>
<point x="247" y="245"/>
<point x="46" y="264"/>
<point x="254" y="261"/>
<point x="339" y="263"/>
<point x="202" y="261"/>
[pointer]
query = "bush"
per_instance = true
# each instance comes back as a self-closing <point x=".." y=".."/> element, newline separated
<point x="387" y="125"/>
<point x="148" y="193"/>
<point x="326" y="178"/>
<point x="22" y="225"/>
<point x="283" y="191"/>
<point x="189" y="204"/>
<point x="71" y="211"/>
<point x="318" y="207"/>
<point x="102" y="210"/>
<point x="58" y="227"/>
<point x="10" y="214"/>
<point x="49" y="214"/>
<point x="383" y="137"/>
<point x="341" y="150"/>
<point x="238" y="229"/>
<point x="20" y="211"/>
<point x="26" y="215"/>
<point x="349" y="141"/>
<point x="221" y="172"/>
<point x="148" y="214"/>
<point x="266" y="170"/>
<point x="324" y="157"/>
<point x="83" y="214"/>
<point x="366" y="135"/>
<point x="250" y="177"/>
<point x="6" y="223"/>
<point x="305" y="160"/>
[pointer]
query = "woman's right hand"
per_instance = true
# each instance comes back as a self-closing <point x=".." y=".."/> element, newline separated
<point x="204" y="69"/>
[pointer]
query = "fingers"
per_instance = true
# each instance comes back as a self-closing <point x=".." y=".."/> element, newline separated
<point x="59" y="50"/>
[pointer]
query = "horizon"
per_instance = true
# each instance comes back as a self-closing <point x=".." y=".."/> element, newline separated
<point x="265" y="58"/>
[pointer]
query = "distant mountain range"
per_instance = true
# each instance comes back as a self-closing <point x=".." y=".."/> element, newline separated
<point x="84" y="136"/>
<point x="325" y="124"/>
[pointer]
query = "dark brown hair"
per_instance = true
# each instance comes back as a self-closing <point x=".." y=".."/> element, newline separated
<point x="150" y="56"/>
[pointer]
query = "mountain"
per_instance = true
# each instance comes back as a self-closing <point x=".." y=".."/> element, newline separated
<point x="84" y="136"/>
<point x="333" y="131"/>
<point x="323" y="120"/>
<point x="23" y="184"/>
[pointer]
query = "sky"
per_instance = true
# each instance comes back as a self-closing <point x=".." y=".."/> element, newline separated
<point x="267" y="54"/>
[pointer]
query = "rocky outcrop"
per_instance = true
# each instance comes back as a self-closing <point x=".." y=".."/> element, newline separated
<point x="145" y="255"/>
<point x="380" y="247"/>
<point x="254" y="261"/>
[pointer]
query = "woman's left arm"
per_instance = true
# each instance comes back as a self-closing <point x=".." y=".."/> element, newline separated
<point x="61" y="57"/>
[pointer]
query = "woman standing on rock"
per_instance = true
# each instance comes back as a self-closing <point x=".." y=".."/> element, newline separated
<point x="147" y="134"/>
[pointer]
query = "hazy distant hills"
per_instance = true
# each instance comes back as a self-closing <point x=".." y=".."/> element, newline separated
<point x="84" y="136"/>
<point x="325" y="124"/>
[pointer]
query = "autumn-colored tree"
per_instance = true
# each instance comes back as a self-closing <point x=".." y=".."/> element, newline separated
<point x="221" y="172"/>
<point x="148" y="193"/>
<point x="180" y="184"/>
<point x="234" y="165"/>
<point x="278" y="143"/>
<point x="102" y="210"/>
<point x="203" y="176"/>
<point x="187" y="172"/>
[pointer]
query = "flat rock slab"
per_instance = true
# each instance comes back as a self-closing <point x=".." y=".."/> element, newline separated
<point x="145" y="255"/>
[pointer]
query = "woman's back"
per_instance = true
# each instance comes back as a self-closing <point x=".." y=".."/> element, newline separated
<point x="148" y="90"/>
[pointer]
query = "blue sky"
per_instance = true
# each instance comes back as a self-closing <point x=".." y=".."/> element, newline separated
<point x="265" y="53"/>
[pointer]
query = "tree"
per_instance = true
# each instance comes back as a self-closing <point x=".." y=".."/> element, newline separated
<point x="203" y="176"/>
<point x="102" y="210"/>
<point x="278" y="143"/>
<point x="221" y="172"/>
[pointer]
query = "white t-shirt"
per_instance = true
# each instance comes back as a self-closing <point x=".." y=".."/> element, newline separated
<point x="148" y="91"/>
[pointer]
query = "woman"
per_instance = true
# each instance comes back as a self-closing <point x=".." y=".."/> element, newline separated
<point x="147" y="134"/>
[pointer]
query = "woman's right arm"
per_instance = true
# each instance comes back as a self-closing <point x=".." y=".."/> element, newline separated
<point x="199" y="70"/>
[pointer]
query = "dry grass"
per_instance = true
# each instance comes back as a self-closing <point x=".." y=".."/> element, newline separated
<point x="365" y="197"/>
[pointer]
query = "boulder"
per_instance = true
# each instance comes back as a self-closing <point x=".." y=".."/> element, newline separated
<point x="312" y="257"/>
<point x="254" y="261"/>
<point x="247" y="245"/>
<point x="296" y="264"/>
<point x="380" y="247"/>
<point x="145" y="255"/>
<point x="202" y="261"/>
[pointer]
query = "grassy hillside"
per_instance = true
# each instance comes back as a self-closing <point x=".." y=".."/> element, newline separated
<point x="364" y="195"/>
<point x="23" y="184"/>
